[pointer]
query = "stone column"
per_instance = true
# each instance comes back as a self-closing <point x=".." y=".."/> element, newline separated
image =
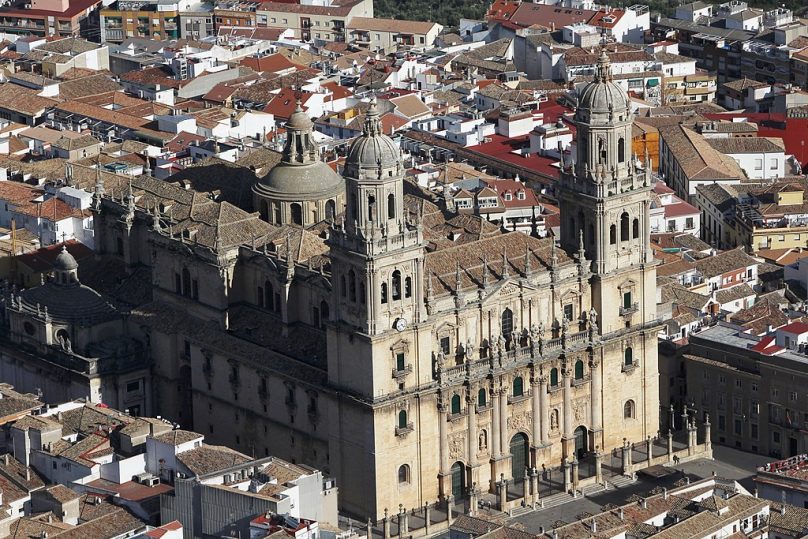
<point x="543" y="411"/>
<point x="503" y="422"/>
<point x="565" y="467"/>
<point x="685" y="418"/>
<point x="473" y="492"/>
<point x="526" y="486"/>
<point x="574" y="474"/>
<point x="386" y="524"/>
<point x="495" y="452"/>
<point x="626" y="457"/>
<point x="598" y="467"/>
<point x="534" y="486"/>
<point x="427" y="517"/>
<point x="471" y="412"/>
<point x="594" y="373"/>
<point x="567" y="405"/>
<point x="502" y="494"/>
<point x="672" y="418"/>
<point x="443" y="450"/>
<point x="450" y="509"/>
<point x="691" y="439"/>
<point x="670" y="446"/>
<point x="535" y="387"/>
<point x="369" y="534"/>
<point x="649" y="446"/>
<point x="403" y="524"/>
<point x="708" y="444"/>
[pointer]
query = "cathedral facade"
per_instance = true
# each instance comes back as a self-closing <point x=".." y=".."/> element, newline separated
<point x="409" y="352"/>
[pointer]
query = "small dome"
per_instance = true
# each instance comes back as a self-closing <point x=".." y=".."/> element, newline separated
<point x="373" y="148"/>
<point x="603" y="94"/>
<point x="299" y="120"/>
<point x="65" y="261"/>
<point x="67" y="303"/>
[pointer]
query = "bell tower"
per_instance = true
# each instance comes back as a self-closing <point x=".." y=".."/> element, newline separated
<point x="377" y="249"/>
<point x="604" y="197"/>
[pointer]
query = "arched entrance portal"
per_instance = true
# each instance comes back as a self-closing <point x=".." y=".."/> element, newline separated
<point x="458" y="479"/>
<point x="581" y="442"/>
<point x="519" y="456"/>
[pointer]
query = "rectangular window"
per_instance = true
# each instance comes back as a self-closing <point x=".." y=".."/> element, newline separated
<point x="133" y="387"/>
<point x="722" y="423"/>
<point x="626" y="300"/>
<point x="776" y="437"/>
<point x="773" y="164"/>
<point x="758" y="164"/>
<point x="737" y="427"/>
<point x="754" y="431"/>
<point x="400" y="361"/>
<point x="445" y="344"/>
<point x="792" y="396"/>
<point x="568" y="311"/>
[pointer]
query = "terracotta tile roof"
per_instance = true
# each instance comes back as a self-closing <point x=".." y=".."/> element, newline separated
<point x="697" y="158"/>
<point x="87" y="86"/>
<point x="178" y="437"/>
<point x="53" y="209"/>
<point x="149" y="76"/>
<point x="208" y="459"/>
<point x="618" y="53"/>
<point x="273" y="63"/>
<point x="22" y="99"/>
<point x="725" y="262"/>
<point x="391" y="25"/>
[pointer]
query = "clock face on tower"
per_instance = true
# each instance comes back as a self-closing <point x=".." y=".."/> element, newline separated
<point x="400" y="324"/>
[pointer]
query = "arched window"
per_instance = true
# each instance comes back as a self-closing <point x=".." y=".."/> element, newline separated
<point x="330" y="209"/>
<point x="276" y="212"/>
<point x="362" y="293"/>
<point x="352" y="207"/>
<point x="269" y="296"/>
<point x="402" y="419"/>
<point x="186" y="282"/>
<point x="579" y="370"/>
<point x="518" y="387"/>
<point x="371" y="208"/>
<point x="591" y="239"/>
<point x="343" y="288"/>
<point x="324" y="313"/>
<point x="455" y="409"/>
<point x="297" y="213"/>
<point x="624" y="226"/>
<point x="396" y="285"/>
<point x="482" y="397"/>
<point x="384" y="292"/>
<point x="601" y="151"/>
<point x="613" y="234"/>
<point x="507" y="324"/>
<point x="621" y="150"/>
<point x="407" y="287"/>
<point x="628" y="357"/>
<point x="635" y="229"/>
<point x="403" y="474"/>
<point x="264" y="210"/>
<point x="352" y="285"/>
<point x="391" y="206"/>
<point x="628" y="410"/>
<point x="553" y="376"/>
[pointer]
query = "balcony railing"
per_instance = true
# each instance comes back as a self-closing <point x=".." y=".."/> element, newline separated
<point x="631" y="309"/>
<point x="401" y="373"/>
<point x="401" y="431"/>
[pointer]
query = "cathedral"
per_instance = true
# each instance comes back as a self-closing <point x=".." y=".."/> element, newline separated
<point x="352" y="324"/>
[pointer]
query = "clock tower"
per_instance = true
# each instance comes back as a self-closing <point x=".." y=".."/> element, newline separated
<point x="378" y="348"/>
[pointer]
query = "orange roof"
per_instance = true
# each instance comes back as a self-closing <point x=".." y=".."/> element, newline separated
<point x="274" y="63"/>
<point x="52" y="209"/>
<point x="283" y="104"/>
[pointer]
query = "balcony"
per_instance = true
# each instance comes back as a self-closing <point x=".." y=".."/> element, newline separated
<point x="629" y="310"/>
<point x="398" y="374"/>
<point x="402" y="431"/>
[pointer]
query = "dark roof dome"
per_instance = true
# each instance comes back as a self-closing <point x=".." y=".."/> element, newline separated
<point x="373" y="149"/>
<point x="65" y="261"/>
<point x="300" y="174"/>
<point x="603" y="95"/>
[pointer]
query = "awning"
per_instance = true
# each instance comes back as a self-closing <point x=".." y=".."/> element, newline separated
<point x="652" y="82"/>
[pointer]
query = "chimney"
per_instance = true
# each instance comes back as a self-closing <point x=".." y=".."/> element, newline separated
<point x="644" y="504"/>
<point x="151" y="429"/>
<point x="620" y="513"/>
<point x="783" y="509"/>
<point x="664" y="493"/>
<point x="5" y="459"/>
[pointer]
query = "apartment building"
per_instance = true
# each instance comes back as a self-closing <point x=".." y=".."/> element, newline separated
<point x="149" y="19"/>
<point x="695" y="88"/>
<point x="307" y="20"/>
<point x="753" y="388"/>
<point x="774" y="217"/>
<point x="49" y="17"/>
<point x="388" y="35"/>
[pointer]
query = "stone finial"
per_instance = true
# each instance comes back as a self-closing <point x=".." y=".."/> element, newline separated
<point x="528" y="269"/>
<point x="505" y="273"/>
<point x="485" y="271"/>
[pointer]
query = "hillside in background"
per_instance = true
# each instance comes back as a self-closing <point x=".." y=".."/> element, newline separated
<point x="449" y="12"/>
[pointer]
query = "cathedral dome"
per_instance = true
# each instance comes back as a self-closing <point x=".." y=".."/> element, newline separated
<point x="373" y="149"/>
<point x="603" y="95"/>
<point x="300" y="174"/>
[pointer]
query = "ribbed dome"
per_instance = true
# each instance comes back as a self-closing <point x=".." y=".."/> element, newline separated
<point x="65" y="261"/>
<point x="73" y="302"/>
<point x="313" y="178"/>
<point x="373" y="148"/>
<point x="603" y="94"/>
